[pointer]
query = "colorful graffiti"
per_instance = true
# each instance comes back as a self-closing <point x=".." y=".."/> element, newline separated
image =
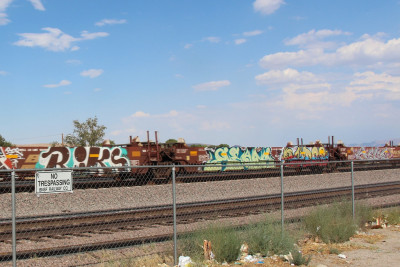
<point x="365" y="153"/>
<point x="305" y="153"/>
<point x="232" y="158"/>
<point x="62" y="157"/>
<point x="5" y="162"/>
<point x="66" y="157"/>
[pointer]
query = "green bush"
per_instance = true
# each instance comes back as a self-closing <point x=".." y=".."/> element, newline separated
<point x="393" y="216"/>
<point x="225" y="243"/>
<point x="335" y="251"/>
<point x="334" y="223"/>
<point x="299" y="259"/>
<point x="267" y="238"/>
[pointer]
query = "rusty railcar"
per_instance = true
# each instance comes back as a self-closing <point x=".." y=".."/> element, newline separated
<point x="135" y="153"/>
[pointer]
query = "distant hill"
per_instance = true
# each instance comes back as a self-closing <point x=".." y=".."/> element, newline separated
<point x="396" y="141"/>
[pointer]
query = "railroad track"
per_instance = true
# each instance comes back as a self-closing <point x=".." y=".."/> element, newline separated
<point x="84" y="182"/>
<point x="83" y="224"/>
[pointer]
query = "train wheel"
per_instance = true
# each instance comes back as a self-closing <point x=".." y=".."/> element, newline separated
<point x="162" y="175"/>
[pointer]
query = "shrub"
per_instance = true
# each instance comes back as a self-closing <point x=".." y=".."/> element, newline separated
<point x="298" y="258"/>
<point x="267" y="238"/>
<point x="335" y="251"/>
<point x="393" y="216"/>
<point x="225" y="243"/>
<point x="334" y="223"/>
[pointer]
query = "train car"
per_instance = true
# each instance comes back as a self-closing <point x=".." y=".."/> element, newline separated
<point x="152" y="153"/>
<point x="371" y="153"/>
<point x="135" y="153"/>
<point x="149" y="156"/>
<point x="239" y="158"/>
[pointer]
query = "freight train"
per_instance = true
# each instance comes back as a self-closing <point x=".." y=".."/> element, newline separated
<point x="152" y="153"/>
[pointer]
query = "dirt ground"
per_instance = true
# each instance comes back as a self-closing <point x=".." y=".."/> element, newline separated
<point x="375" y="247"/>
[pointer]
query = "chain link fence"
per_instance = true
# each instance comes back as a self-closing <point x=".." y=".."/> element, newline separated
<point x="127" y="207"/>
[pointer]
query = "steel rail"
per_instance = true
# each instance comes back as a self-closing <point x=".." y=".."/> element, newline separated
<point x="34" y="227"/>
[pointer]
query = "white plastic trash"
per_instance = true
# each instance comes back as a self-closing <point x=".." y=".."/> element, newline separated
<point x="184" y="261"/>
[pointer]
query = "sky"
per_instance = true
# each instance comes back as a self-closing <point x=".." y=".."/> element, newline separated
<point x="249" y="73"/>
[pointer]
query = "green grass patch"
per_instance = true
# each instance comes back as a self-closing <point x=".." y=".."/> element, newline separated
<point x="298" y="258"/>
<point x="225" y="243"/>
<point x="393" y="216"/>
<point x="267" y="238"/>
<point x="334" y="223"/>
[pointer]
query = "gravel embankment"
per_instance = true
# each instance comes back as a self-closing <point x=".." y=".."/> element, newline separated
<point x="28" y="204"/>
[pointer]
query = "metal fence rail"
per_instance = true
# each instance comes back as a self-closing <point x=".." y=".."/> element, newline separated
<point x="125" y="206"/>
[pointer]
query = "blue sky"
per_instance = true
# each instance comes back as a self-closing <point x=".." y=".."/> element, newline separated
<point x="250" y="73"/>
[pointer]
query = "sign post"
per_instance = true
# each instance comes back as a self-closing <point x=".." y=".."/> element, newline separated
<point x="48" y="182"/>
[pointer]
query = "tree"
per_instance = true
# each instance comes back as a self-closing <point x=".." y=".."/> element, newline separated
<point x="3" y="142"/>
<point x="88" y="133"/>
<point x="171" y="141"/>
<point x="222" y="145"/>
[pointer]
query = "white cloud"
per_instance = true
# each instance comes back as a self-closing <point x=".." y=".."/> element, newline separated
<point x="140" y="114"/>
<point x="55" y="39"/>
<point x="3" y="19"/>
<point x="300" y="58"/>
<point x="92" y="73"/>
<point x="187" y="46"/>
<point x="267" y="7"/>
<point x="96" y="90"/>
<point x="3" y="16"/>
<point x="172" y="113"/>
<point x="214" y="125"/>
<point x="62" y="83"/>
<point x="378" y="84"/>
<point x="110" y="22"/>
<point x="4" y="4"/>
<point x="311" y="99"/>
<point x="37" y="4"/>
<point x="212" y="39"/>
<point x="211" y="86"/>
<point x="90" y="36"/>
<point x="286" y="76"/>
<point x="252" y="33"/>
<point x="240" y="41"/>
<point x="3" y="73"/>
<point x="314" y="38"/>
<point x="360" y="53"/>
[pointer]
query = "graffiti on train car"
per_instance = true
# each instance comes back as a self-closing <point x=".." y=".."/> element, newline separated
<point x="365" y="153"/>
<point x="305" y="153"/>
<point x="233" y="157"/>
<point x="15" y="157"/>
<point x="62" y="157"/>
<point x="5" y="162"/>
<point x="67" y="157"/>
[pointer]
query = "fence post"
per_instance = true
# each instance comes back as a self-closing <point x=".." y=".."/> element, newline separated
<point x="14" y="234"/>
<point x="174" y="213"/>
<point x="282" y="200"/>
<point x="352" y="189"/>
